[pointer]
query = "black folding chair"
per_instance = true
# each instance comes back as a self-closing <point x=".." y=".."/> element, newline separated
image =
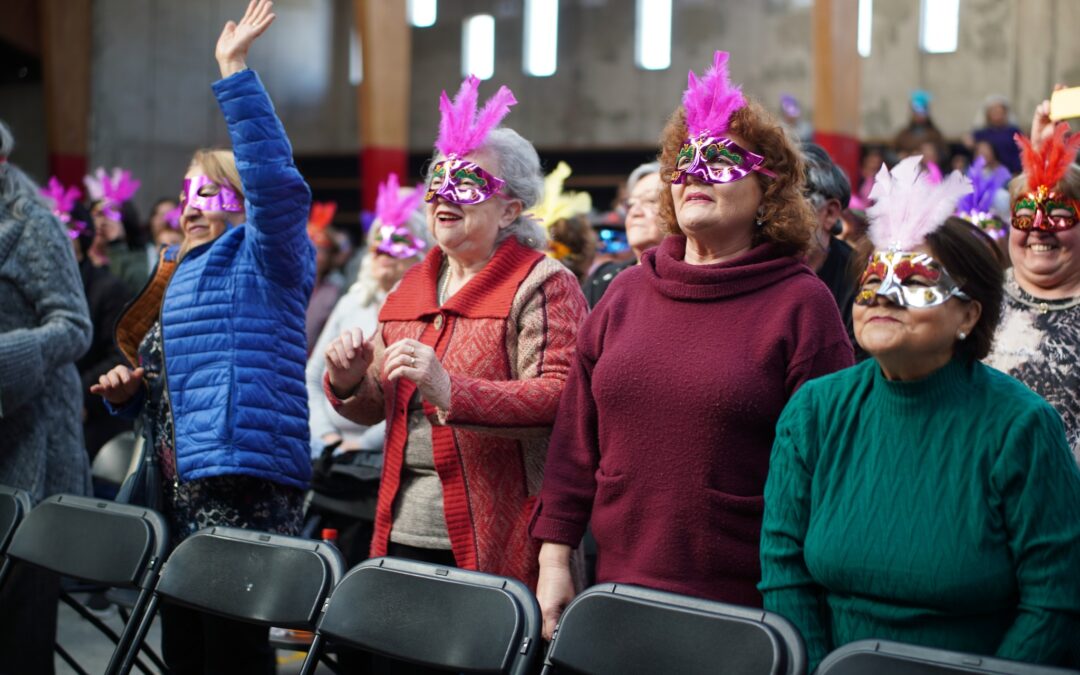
<point x="894" y="658"/>
<point x="612" y="628"/>
<point x="255" y="577"/>
<point x="14" y="505"/>
<point x="439" y="617"/>
<point x="100" y="542"/>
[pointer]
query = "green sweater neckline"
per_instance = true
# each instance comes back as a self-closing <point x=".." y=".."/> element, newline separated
<point x="940" y="386"/>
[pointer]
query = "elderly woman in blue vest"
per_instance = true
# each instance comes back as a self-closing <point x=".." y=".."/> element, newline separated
<point x="217" y="349"/>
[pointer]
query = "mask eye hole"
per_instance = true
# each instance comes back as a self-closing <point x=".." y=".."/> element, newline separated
<point x="209" y="190"/>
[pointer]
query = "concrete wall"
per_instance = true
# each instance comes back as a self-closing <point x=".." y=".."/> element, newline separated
<point x="598" y="97"/>
<point x="1018" y="48"/>
<point x="153" y="63"/>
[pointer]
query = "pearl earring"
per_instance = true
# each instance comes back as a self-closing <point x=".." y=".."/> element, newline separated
<point x="961" y="336"/>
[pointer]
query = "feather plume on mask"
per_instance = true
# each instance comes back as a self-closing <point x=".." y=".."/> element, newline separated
<point x="557" y="204"/>
<point x="711" y="100"/>
<point x="908" y="206"/>
<point x="461" y="128"/>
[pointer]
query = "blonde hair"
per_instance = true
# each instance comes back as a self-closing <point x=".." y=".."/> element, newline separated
<point x="219" y="165"/>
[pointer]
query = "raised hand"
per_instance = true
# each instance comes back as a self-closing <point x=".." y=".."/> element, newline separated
<point x="118" y="385"/>
<point x="1042" y="127"/>
<point x="347" y="360"/>
<point x="415" y="361"/>
<point x="236" y="38"/>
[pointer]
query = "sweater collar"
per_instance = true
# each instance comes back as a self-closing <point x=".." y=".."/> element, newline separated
<point x="488" y="295"/>
<point x="761" y="266"/>
<point x="942" y="386"/>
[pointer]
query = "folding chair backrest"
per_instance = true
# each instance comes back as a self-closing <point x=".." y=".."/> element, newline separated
<point x="14" y="505"/>
<point x="260" y="578"/>
<point x="436" y="616"/>
<point x="612" y="628"/>
<point x="893" y="658"/>
<point x="91" y="539"/>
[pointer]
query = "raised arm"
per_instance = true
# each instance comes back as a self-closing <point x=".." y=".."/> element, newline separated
<point x="54" y="291"/>
<point x="278" y="199"/>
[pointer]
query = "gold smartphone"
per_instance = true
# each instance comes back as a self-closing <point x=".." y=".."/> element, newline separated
<point x="1065" y="104"/>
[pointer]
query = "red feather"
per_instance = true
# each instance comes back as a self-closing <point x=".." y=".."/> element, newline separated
<point x="1048" y="165"/>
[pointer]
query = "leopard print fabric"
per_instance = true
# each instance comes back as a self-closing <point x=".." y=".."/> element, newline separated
<point x="1038" y="342"/>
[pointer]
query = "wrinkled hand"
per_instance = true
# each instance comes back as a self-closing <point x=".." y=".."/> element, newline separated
<point x="348" y="358"/>
<point x="555" y="586"/>
<point x="236" y="38"/>
<point x="1042" y="127"/>
<point x="119" y="384"/>
<point x="418" y="363"/>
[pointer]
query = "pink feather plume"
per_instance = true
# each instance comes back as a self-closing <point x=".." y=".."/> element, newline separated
<point x="711" y="100"/>
<point x="908" y="205"/>
<point x="391" y="208"/>
<point x="63" y="199"/>
<point x="116" y="189"/>
<point x="461" y="129"/>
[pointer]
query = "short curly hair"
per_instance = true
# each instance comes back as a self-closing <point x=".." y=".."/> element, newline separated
<point x="788" y="220"/>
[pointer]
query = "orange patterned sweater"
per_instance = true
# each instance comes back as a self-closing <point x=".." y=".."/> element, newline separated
<point x="507" y="340"/>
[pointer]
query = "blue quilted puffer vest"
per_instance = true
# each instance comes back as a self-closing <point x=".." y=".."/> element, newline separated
<point x="233" y="314"/>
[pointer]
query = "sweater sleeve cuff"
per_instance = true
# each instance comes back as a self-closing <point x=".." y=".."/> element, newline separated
<point x="331" y="396"/>
<point x="129" y="410"/>
<point x="548" y="528"/>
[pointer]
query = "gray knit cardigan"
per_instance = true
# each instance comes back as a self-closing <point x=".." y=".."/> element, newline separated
<point x="44" y="327"/>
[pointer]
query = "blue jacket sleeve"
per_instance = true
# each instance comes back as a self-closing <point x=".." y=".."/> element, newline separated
<point x="278" y="200"/>
<point x="131" y="409"/>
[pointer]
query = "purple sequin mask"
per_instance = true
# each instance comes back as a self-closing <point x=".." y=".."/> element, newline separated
<point x="204" y="194"/>
<point x="461" y="182"/>
<point x="398" y="242"/>
<point x="716" y="160"/>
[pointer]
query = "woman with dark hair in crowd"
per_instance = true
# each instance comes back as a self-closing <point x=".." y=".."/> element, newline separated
<point x="163" y="226"/>
<point x="673" y="491"/>
<point x="118" y="237"/>
<point x="44" y="329"/>
<point x="922" y="496"/>
<point x="1039" y="339"/>
<point x="470" y="356"/>
<point x="216" y="349"/>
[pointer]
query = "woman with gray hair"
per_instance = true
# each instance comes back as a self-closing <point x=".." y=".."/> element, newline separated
<point x="44" y="328"/>
<point x="643" y="228"/>
<point x="469" y="358"/>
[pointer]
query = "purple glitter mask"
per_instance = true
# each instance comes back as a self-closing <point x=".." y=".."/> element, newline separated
<point x="461" y="182"/>
<point x="398" y="242"/>
<point x="716" y="160"/>
<point x="204" y="194"/>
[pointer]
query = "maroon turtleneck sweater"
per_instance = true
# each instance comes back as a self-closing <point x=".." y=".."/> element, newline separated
<point x="666" y="422"/>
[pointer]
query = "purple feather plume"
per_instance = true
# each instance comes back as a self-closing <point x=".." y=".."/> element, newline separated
<point x="711" y="100"/>
<point x="984" y="186"/>
<point x="461" y="129"/>
<point x="391" y="208"/>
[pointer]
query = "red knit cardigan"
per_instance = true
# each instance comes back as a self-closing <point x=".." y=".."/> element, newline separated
<point x="507" y="340"/>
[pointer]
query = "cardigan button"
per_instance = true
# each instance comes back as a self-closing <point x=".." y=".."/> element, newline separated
<point x="438" y="322"/>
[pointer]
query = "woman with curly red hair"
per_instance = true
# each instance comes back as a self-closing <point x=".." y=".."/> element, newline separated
<point x="746" y="324"/>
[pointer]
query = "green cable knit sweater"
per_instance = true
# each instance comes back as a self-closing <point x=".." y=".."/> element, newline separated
<point x="943" y="512"/>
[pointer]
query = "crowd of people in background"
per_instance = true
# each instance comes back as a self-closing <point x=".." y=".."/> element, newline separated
<point x="853" y="403"/>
